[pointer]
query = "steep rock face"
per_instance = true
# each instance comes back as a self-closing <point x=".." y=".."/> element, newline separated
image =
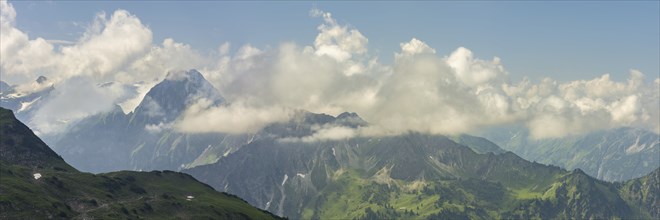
<point x="35" y="183"/>
<point x="382" y="177"/>
<point x="20" y="146"/>
<point x="612" y="155"/>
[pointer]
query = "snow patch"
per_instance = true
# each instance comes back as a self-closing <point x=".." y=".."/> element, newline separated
<point x="301" y="175"/>
<point x="636" y="147"/>
<point x="190" y="198"/>
<point x="15" y="95"/>
<point x="26" y="105"/>
<point x="334" y="153"/>
<point x="286" y="177"/>
<point x="37" y="176"/>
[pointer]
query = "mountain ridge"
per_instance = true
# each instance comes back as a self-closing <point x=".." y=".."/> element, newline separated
<point x="380" y="176"/>
<point x="614" y="154"/>
<point x="37" y="183"/>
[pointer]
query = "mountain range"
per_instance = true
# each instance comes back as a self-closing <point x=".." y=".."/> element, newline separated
<point x="416" y="176"/>
<point x="143" y="139"/>
<point x="26" y="103"/>
<point x="281" y="169"/>
<point x="613" y="155"/>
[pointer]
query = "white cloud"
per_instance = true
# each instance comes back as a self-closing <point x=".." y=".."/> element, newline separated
<point x="425" y="92"/>
<point x="142" y="88"/>
<point x="236" y="118"/>
<point x="341" y="43"/>
<point x="473" y="72"/>
<point x="325" y="133"/>
<point x="414" y="47"/>
<point x="555" y="109"/>
<point x="115" y="48"/>
<point x="7" y="13"/>
<point x="107" y="46"/>
<point x="73" y="100"/>
<point x="157" y="128"/>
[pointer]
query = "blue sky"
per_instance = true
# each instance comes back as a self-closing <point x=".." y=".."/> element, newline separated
<point x="563" y="40"/>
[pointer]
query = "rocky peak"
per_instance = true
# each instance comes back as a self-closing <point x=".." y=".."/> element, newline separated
<point x="41" y="79"/>
<point x="180" y="89"/>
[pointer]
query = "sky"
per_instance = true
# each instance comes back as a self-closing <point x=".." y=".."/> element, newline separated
<point x="557" y="68"/>
<point x="589" y="37"/>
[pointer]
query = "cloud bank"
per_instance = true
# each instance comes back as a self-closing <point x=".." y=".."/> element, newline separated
<point x="114" y="48"/>
<point x="419" y="91"/>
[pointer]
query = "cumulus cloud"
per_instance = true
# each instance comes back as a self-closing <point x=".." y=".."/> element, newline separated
<point x="108" y="45"/>
<point x="339" y="42"/>
<point x="554" y="109"/>
<point x="420" y="91"/>
<point x="114" y="48"/>
<point x="414" y="47"/>
<point x="425" y="92"/>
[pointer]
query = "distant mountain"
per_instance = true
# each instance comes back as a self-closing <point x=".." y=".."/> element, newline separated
<point x="35" y="183"/>
<point x="169" y="98"/>
<point x="4" y="87"/>
<point x="612" y="155"/>
<point x="406" y="176"/>
<point x="143" y="139"/>
<point x="25" y="104"/>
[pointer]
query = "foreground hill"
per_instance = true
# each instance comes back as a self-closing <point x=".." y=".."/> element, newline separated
<point x="35" y="183"/>
<point x="414" y="176"/>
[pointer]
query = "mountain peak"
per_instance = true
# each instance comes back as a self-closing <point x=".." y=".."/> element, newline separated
<point x="169" y="98"/>
<point x="180" y="75"/>
<point x="350" y="119"/>
<point x="41" y="79"/>
<point x="347" y="115"/>
<point x="4" y="86"/>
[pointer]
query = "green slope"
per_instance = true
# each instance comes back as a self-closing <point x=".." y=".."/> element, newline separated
<point x="643" y="192"/>
<point x="62" y="192"/>
<point x="412" y="176"/>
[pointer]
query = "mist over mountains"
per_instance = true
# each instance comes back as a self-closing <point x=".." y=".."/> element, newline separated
<point x="156" y="134"/>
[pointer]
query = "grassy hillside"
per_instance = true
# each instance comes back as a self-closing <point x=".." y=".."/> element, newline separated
<point x="35" y="183"/>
